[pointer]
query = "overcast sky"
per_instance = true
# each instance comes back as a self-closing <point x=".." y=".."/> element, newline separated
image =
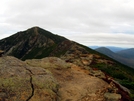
<point x="89" y="22"/>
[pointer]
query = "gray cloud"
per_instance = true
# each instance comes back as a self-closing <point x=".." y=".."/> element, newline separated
<point x="90" y="22"/>
<point x="104" y="39"/>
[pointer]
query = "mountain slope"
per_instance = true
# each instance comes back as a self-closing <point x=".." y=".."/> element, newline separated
<point x="32" y="43"/>
<point x="36" y="43"/>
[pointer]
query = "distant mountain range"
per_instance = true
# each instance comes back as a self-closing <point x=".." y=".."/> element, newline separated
<point x="112" y="48"/>
<point x="125" y="56"/>
<point x="127" y="53"/>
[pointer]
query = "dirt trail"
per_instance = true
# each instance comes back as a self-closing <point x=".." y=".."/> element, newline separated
<point x="77" y="85"/>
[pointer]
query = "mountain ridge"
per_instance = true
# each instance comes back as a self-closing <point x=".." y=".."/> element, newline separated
<point x="33" y="44"/>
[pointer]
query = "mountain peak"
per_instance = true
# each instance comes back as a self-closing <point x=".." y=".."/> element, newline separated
<point x="35" y="30"/>
<point x="35" y="27"/>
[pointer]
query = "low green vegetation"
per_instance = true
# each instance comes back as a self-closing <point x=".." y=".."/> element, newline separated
<point x="14" y="83"/>
<point x="123" y="74"/>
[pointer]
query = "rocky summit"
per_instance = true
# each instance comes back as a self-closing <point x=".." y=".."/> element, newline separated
<point x="37" y="65"/>
<point x="50" y="79"/>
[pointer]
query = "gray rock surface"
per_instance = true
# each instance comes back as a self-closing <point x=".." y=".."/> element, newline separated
<point x="112" y="97"/>
<point x="20" y="82"/>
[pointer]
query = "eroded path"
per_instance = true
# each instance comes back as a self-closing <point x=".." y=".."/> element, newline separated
<point x="77" y="85"/>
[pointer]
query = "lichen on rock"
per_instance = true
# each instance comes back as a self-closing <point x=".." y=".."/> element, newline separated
<point x="20" y="82"/>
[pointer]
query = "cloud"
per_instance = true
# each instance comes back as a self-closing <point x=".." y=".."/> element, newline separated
<point x="78" y="18"/>
<point x="104" y="39"/>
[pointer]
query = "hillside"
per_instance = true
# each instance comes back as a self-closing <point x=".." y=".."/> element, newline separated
<point x="125" y="57"/>
<point x="34" y="44"/>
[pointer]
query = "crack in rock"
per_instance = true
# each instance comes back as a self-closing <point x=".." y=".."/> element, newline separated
<point x="32" y="86"/>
